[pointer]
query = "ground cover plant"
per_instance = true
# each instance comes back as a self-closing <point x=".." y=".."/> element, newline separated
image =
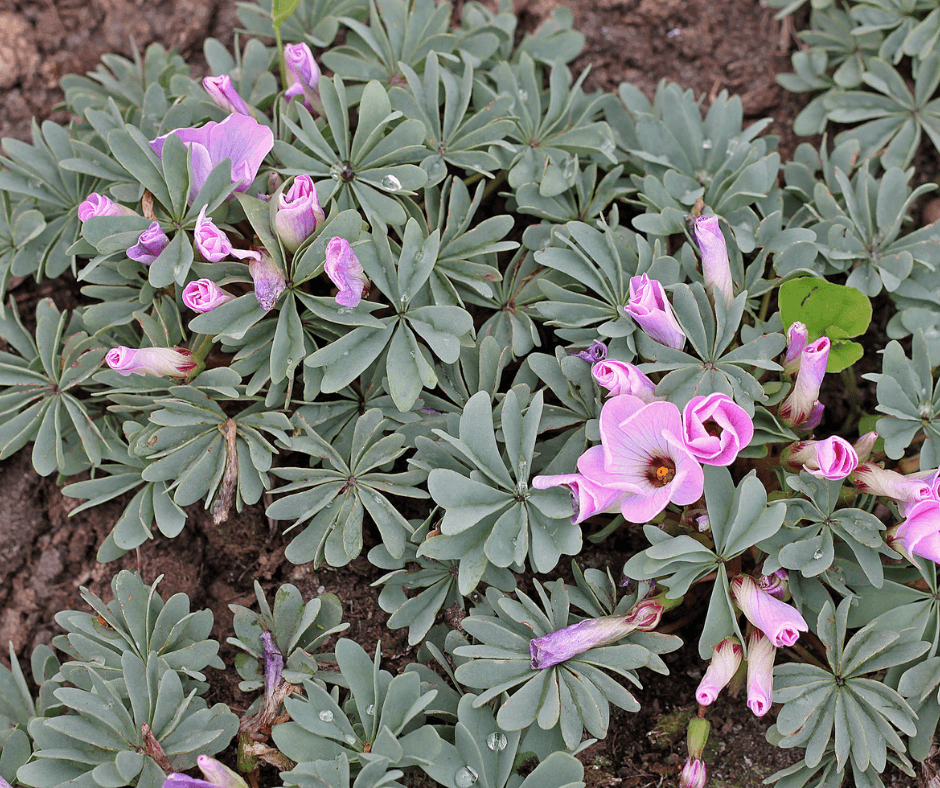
<point x="422" y="292"/>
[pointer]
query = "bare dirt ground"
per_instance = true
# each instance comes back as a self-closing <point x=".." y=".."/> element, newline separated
<point x="733" y="45"/>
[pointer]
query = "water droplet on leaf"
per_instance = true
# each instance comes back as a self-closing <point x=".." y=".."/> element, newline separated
<point x="326" y="715"/>
<point x="350" y="739"/>
<point x="523" y="95"/>
<point x="391" y="183"/>
<point x="497" y="741"/>
<point x="371" y="710"/>
<point x="706" y="144"/>
<point x="817" y="555"/>
<point x="465" y="777"/>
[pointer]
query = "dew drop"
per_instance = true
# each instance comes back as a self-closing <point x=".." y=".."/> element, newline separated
<point x="326" y="715"/>
<point x="350" y="739"/>
<point x="391" y="183"/>
<point x="371" y="710"/>
<point x="608" y="147"/>
<point x="817" y="555"/>
<point x="706" y="144"/>
<point x="343" y="310"/>
<point x="497" y="741"/>
<point x="523" y="95"/>
<point x="412" y="354"/>
<point x="571" y="167"/>
<point x="345" y="353"/>
<point x="465" y="777"/>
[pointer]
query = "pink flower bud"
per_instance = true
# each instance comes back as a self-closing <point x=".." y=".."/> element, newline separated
<point x="587" y="498"/>
<point x="204" y="295"/>
<point x="693" y="774"/>
<point x="150" y="243"/>
<point x="646" y="614"/>
<point x="798" y="406"/>
<point x="345" y="271"/>
<point x="776" y="585"/>
<point x="298" y="213"/>
<point x="919" y="533"/>
<point x="715" y="429"/>
<point x="618" y="377"/>
<point x="651" y="310"/>
<point x="563" y="644"/>
<point x="98" y="205"/>
<point x="832" y="458"/>
<point x="726" y="659"/>
<point x="596" y="352"/>
<point x="303" y="74"/>
<point x="269" y="280"/>
<point x="864" y="445"/>
<point x="213" y="244"/>
<point x="716" y="267"/>
<point x="781" y="622"/>
<point x="797" y="339"/>
<point x="170" y="362"/>
<point x="760" y="672"/>
<point x="874" y="480"/>
<point x="219" y="774"/>
<point x="223" y="93"/>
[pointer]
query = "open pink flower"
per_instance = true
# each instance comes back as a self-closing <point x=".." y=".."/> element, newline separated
<point x="715" y="428"/>
<point x="801" y="403"/>
<point x="833" y="458"/>
<point x="642" y="453"/>
<point x="345" y="271"/>
<point x="618" y="378"/>
<point x="587" y="498"/>
<point x="760" y="672"/>
<point x="919" y="533"/>
<point x="650" y="308"/>
<point x="726" y="659"/>
<point x="173" y="362"/>
<point x="778" y="620"/>
<point x="716" y="267"/>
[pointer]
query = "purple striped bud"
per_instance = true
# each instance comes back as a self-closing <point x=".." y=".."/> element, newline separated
<point x="726" y="659"/>
<point x="298" y="213"/>
<point x="150" y="243"/>
<point x="303" y="73"/>
<point x="832" y="458"/>
<point x="269" y="280"/>
<point x="797" y="339"/>
<point x="223" y="93"/>
<point x="780" y="621"/>
<point x="760" y="672"/>
<point x="716" y="267"/>
<point x="651" y="310"/>
<point x="874" y="480"/>
<point x="619" y="377"/>
<point x="596" y="352"/>
<point x="173" y="362"/>
<point x="693" y="774"/>
<point x="345" y="271"/>
<point x="98" y="205"/>
<point x="213" y="244"/>
<point x="219" y="774"/>
<point x="799" y="405"/>
<point x="204" y="295"/>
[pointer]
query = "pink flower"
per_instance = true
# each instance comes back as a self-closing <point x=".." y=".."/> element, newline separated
<point x="298" y="213"/>
<point x="150" y="243"/>
<point x="213" y="244"/>
<point x="716" y="429"/>
<point x="832" y="458"/>
<point x="864" y="445"/>
<point x="919" y="533"/>
<point x="799" y="405"/>
<point x="649" y="307"/>
<point x="223" y="93"/>
<point x="781" y="622"/>
<point x="173" y="362"/>
<point x="204" y="295"/>
<point x="98" y="205"/>
<point x="776" y="585"/>
<point x="797" y="339"/>
<point x="219" y="774"/>
<point x="239" y="138"/>
<point x="345" y="271"/>
<point x="618" y="378"/>
<point x="303" y="74"/>
<point x="269" y="280"/>
<point x="693" y="774"/>
<point x="642" y="453"/>
<point x="596" y="352"/>
<point x="716" y="267"/>
<point x="726" y="659"/>
<point x="587" y="498"/>
<point x="760" y="672"/>
<point x="875" y="480"/>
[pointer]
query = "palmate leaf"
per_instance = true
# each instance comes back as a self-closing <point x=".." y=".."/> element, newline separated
<point x="571" y="696"/>
<point x="313" y="21"/>
<point x="334" y="499"/>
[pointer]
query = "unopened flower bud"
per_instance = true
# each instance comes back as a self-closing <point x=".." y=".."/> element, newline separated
<point x="726" y="658"/>
<point x="223" y="93"/>
<point x="801" y="402"/>
<point x="269" y="280"/>
<point x="170" y="362"/>
<point x="619" y="377"/>
<point x="832" y="458"/>
<point x="697" y="735"/>
<point x="150" y="244"/>
<point x="693" y="774"/>
<point x="298" y="213"/>
<point x="716" y="267"/>
<point x="98" y="205"/>
<point x="797" y="339"/>
<point x="303" y="73"/>
<point x="864" y="445"/>
<point x="204" y="295"/>
<point x="345" y="271"/>
<point x="760" y="672"/>
<point x="213" y="244"/>
<point x="872" y="479"/>
<point x="219" y="774"/>
<point x="596" y="352"/>
<point x="651" y="310"/>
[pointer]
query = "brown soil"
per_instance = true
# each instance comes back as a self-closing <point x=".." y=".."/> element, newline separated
<point x="729" y="44"/>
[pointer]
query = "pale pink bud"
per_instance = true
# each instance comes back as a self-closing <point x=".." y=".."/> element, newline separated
<point x="797" y="339"/>
<point x="781" y="622"/>
<point x="223" y="93"/>
<point x="651" y="310"/>
<point x="98" y="205"/>
<point x="619" y="377"/>
<point x="218" y="774"/>
<point x="832" y="458"/>
<point x="919" y="533"/>
<point x="716" y="267"/>
<point x="760" y="672"/>
<point x="587" y="498"/>
<point x="269" y="281"/>
<point x="864" y="445"/>
<point x="345" y="271"/>
<point x="204" y="295"/>
<point x="213" y="244"/>
<point x="715" y="429"/>
<point x="303" y="74"/>
<point x="726" y="659"/>
<point x="298" y="213"/>
<point x="874" y="480"/>
<point x="693" y="774"/>
<point x="799" y="405"/>
<point x="163" y="361"/>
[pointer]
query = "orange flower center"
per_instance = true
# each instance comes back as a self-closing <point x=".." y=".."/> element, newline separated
<point x="662" y="471"/>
